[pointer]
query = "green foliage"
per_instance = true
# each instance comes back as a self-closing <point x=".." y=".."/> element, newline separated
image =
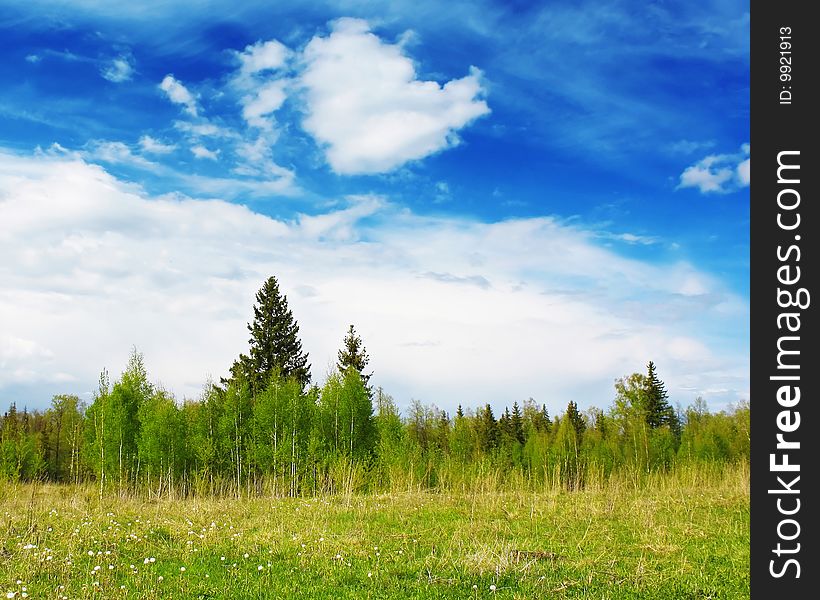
<point x="263" y="431"/>
<point x="274" y="342"/>
<point x="354" y="356"/>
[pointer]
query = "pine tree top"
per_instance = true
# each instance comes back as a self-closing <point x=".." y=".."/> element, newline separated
<point x="353" y="355"/>
<point x="274" y="341"/>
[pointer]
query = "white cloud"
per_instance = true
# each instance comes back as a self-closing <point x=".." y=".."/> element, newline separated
<point x="367" y="107"/>
<point x="719" y="173"/>
<point x="154" y="146"/>
<point x="262" y="56"/>
<point x="179" y="94"/>
<point x="201" y="152"/>
<point x="33" y="58"/>
<point x="744" y="172"/>
<point x="118" y="70"/>
<point x="451" y="310"/>
<point x="204" y="129"/>
<point x="266" y="99"/>
<point x="116" y="153"/>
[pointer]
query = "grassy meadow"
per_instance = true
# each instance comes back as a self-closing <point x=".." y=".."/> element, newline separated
<point x="678" y="535"/>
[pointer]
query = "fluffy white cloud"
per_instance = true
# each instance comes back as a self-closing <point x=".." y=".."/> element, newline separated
<point x="267" y="99"/>
<point x="744" y="172"/>
<point x="262" y="56"/>
<point x="260" y="81"/>
<point x="118" y="70"/>
<point x="719" y="173"/>
<point x="179" y="94"/>
<point x="451" y="310"/>
<point x="367" y="107"/>
<point x="154" y="146"/>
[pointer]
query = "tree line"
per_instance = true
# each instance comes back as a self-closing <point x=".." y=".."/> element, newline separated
<point x="267" y="428"/>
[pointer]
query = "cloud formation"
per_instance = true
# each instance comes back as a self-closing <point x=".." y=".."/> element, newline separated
<point x="118" y="70"/>
<point x="367" y="107"/>
<point x="153" y="146"/>
<point x="719" y="173"/>
<point x="179" y="94"/>
<point x="451" y="310"/>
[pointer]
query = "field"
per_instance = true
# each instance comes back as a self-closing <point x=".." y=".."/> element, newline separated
<point x="670" y="536"/>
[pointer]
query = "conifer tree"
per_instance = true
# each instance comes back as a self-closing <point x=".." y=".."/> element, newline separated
<point x="487" y="429"/>
<point x="517" y="423"/>
<point x="658" y="410"/>
<point x="274" y="341"/>
<point x="575" y="418"/>
<point x="353" y="355"/>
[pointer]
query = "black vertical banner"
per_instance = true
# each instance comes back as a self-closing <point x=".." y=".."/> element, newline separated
<point x="784" y="336"/>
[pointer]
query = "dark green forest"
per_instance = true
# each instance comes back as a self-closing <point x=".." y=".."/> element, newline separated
<point x="267" y="429"/>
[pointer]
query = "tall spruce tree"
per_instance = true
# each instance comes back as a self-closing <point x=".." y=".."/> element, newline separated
<point x="658" y="410"/>
<point x="575" y="418"/>
<point x="517" y="424"/>
<point x="354" y="355"/>
<point x="274" y="342"/>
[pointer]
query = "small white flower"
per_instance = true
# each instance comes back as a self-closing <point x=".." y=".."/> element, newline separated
<point x="90" y="553"/>
<point x="492" y="587"/>
<point x="245" y="555"/>
<point x="11" y="594"/>
<point x="221" y="558"/>
<point x="160" y="578"/>
<point x="182" y="569"/>
<point x="152" y="559"/>
<point x="259" y="568"/>
<point x="369" y="574"/>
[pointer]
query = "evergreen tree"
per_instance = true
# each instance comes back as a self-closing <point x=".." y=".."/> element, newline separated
<point x="487" y="429"/>
<point x="353" y="355"/>
<point x="517" y="424"/>
<point x="575" y="418"/>
<point x="274" y="342"/>
<point x="657" y="407"/>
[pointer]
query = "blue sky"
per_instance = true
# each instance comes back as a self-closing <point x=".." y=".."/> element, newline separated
<point x="507" y="199"/>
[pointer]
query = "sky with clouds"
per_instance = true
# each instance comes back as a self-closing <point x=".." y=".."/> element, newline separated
<point x="507" y="200"/>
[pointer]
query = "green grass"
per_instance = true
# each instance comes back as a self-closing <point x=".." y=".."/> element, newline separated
<point x="681" y="536"/>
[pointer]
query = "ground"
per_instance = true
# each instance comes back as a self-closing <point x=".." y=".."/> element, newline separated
<point x="681" y="536"/>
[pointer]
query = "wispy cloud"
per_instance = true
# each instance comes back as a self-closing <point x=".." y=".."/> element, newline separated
<point x="116" y="153"/>
<point x="118" y="70"/>
<point x="202" y="152"/>
<point x="179" y="94"/>
<point x="153" y="146"/>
